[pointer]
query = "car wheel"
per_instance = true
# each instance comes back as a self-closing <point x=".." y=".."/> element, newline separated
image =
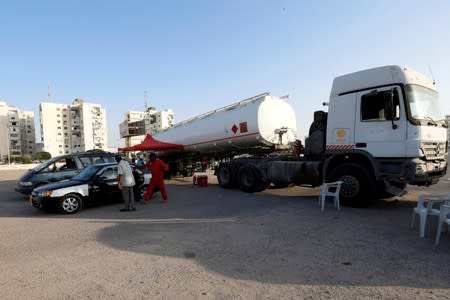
<point x="70" y="204"/>
<point x="139" y="196"/>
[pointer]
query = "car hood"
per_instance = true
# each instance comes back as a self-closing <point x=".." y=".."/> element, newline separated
<point x="27" y="175"/>
<point x="60" y="185"/>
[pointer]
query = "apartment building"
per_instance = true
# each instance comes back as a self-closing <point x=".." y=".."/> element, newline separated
<point x="17" y="131"/>
<point x="72" y="128"/>
<point x="137" y="124"/>
<point x="159" y="120"/>
<point x="447" y="118"/>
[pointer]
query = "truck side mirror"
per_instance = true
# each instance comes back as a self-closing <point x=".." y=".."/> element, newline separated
<point x="389" y="107"/>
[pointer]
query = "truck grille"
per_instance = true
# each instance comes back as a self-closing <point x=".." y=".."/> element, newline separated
<point x="434" y="150"/>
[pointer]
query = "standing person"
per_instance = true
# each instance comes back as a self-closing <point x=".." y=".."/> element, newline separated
<point x="158" y="167"/>
<point x="126" y="183"/>
<point x="140" y="162"/>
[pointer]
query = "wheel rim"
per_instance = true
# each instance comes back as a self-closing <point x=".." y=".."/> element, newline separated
<point x="350" y="187"/>
<point x="142" y="192"/>
<point x="70" y="204"/>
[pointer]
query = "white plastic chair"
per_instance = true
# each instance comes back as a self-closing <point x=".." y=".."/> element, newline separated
<point x="444" y="218"/>
<point x="425" y="208"/>
<point x="330" y="189"/>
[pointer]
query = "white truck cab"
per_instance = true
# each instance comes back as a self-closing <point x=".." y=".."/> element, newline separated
<point x="388" y="119"/>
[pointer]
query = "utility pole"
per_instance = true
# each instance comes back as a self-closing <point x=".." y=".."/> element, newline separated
<point x="8" y="133"/>
<point x="145" y="100"/>
<point x="49" y="93"/>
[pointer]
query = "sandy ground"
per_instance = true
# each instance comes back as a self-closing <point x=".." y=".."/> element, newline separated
<point x="211" y="243"/>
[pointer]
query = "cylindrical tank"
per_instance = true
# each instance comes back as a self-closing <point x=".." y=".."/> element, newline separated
<point x="259" y="121"/>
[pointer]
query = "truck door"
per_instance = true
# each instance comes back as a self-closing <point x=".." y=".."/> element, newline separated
<point x="374" y="132"/>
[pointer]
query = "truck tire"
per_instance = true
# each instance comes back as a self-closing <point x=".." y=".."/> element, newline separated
<point x="358" y="188"/>
<point x="225" y="176"/>
<point x="250" y="180"/>
<point x="280" y="184"/>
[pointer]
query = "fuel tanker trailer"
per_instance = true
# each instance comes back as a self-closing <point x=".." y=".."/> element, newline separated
<point x="258" y="125"/>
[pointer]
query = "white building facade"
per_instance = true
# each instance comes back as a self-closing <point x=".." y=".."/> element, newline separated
<point x="72" y="128"/>
<point x="447" y="118"/>
<point x="137" y="124"/>
<point x="17" y="132"/>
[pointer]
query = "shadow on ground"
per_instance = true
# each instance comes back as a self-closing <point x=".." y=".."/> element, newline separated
<point x="287" y="240"/>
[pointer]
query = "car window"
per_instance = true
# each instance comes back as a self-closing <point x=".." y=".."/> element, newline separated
<point x="86" y="161"/>
<point x="109" y="159"/>
<point x="69" y="164"/>
<point x="43" y="165"/>
<point x="56" y="166"/>
<point x="109" y="173"/>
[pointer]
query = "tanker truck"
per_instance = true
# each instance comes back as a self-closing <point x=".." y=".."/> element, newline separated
<point x="383" y="130"/>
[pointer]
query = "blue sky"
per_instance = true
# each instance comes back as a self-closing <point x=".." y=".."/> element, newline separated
<point x="195" y="56"/>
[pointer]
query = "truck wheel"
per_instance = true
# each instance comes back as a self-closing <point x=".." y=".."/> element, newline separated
<point x="358" y="188"/>
<point x="225" y="176"/>
<point x="250" y="180"/>
<point x="280" y="184"/>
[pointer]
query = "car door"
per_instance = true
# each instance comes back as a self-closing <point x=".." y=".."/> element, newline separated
<point x="107" y="188"/>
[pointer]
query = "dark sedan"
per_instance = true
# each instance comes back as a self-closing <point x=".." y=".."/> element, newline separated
<point x="95" y="184"/>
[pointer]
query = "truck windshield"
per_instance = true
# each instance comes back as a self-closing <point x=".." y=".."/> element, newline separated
<point x="423" y="103"/>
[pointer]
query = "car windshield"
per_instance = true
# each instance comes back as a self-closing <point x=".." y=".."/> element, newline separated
<point x="87" y="173"/>
<point x="43" y="165"/>
<point x="423" y="103"/>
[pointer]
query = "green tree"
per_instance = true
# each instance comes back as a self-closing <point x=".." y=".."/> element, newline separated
<point x="26" y="159"/>
<point x="95" y="151"/>
<point x="42" y="155"/>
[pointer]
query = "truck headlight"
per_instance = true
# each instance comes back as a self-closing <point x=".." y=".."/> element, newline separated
<point x="45" y="193"/>
<point x="25" y="183"/>
<point x="420" y="169"/>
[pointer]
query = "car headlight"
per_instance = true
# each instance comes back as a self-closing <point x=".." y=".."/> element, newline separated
<point x="25" y="183"/>
<point x="45" y="193"/>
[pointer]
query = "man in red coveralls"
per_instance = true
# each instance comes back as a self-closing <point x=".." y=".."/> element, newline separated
<point x="158" y="167"/>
